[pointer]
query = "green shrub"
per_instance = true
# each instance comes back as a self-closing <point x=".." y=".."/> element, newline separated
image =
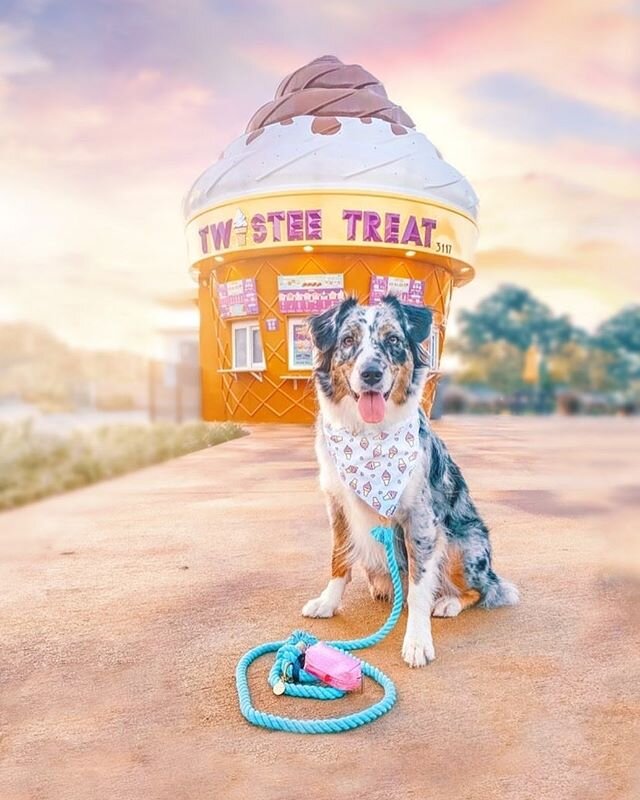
<point x="34" y="464"/>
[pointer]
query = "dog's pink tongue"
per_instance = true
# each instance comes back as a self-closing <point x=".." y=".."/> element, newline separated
<point x="371" y="406"/>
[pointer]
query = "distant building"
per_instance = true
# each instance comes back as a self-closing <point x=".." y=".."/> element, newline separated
<point x="174" y="376"/>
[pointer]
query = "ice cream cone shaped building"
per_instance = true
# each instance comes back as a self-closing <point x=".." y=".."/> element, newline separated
<point x="330" y="192"/>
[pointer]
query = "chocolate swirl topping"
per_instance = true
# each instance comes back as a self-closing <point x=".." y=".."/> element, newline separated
<point x="328" y="88"/>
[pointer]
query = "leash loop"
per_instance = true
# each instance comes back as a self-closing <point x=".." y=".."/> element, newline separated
<point x="288" y="677"/>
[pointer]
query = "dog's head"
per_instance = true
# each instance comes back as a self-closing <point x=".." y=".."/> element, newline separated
<point x="369" y="359"/>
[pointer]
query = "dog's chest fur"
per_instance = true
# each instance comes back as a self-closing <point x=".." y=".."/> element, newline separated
<point x="361" y="518"/>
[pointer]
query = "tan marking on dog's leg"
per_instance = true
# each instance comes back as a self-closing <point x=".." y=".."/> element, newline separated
<point x="455" y="595"/>
<point x="340" y="563"/>
<point x="327" y="603"/>
<point x="469" y="598"/>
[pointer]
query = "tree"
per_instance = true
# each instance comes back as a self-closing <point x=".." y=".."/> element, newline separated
<point x="513" y="315"/>
<point x="619" y="336"/>
<point x="495" y="336"/>
<point x="497" y="365"/>
<point x="582" y="367"/>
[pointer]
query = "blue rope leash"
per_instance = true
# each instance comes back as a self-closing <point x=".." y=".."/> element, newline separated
<point x="294" y="681"/>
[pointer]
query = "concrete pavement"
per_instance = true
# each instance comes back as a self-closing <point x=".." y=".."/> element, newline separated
<point x="125" y="606"/>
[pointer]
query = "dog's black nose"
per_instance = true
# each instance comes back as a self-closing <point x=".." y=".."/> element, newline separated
<point x="371" y="374"/>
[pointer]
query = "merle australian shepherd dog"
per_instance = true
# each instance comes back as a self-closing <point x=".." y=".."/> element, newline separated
<point x="369" y="371"/>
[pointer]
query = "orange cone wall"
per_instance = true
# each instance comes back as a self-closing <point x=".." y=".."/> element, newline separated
<point x="277" y="393"/>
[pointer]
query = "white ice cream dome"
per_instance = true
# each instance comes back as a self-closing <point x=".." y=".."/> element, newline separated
<point x="331" y="125"/>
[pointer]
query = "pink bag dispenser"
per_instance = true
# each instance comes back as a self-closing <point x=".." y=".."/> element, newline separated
<point x="333" y="667"/>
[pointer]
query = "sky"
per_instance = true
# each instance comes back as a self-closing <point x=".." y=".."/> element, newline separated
<point x="110" y="109"/>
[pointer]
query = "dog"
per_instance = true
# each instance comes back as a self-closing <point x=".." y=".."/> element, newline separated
<point x="379" y="458"/>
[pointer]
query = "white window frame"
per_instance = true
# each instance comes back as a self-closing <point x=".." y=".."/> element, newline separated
<point x="291" y="321"/>
<point x="434" y="348"/>
<point x="252" y="365"/>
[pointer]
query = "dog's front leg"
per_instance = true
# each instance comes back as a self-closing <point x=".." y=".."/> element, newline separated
<point x="329" y="601"/>
<point x="425" y="547"/>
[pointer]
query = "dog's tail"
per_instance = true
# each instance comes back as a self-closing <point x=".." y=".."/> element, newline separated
<point x="498" y="592"/>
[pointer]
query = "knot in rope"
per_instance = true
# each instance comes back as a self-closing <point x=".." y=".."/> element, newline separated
<point x="288" y="661"/>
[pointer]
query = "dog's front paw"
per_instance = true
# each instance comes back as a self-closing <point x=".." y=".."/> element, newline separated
<point x="418" y="652"/>
<point x="320" y="607"/>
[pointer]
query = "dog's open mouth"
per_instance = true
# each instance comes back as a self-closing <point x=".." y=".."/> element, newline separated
<point x="371" y="406"/>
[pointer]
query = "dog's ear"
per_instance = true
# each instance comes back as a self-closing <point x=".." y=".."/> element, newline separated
<point x="419" y="320"/>
<point x="324" y="327"/>
<point x="415" y="319"/>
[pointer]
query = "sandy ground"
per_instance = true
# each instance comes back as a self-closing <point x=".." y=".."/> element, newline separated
<point x="125" y="606"/>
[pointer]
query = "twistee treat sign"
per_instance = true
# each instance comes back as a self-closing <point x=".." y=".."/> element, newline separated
<point x="336" y="219"/>
<point x="309" y="294"/>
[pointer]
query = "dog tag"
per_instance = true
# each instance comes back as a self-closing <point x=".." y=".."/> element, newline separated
<point x="279" y="687"/>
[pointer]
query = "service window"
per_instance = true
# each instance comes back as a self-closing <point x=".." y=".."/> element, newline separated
<point x="300" y="348"/>
<point x="247" y="346"/>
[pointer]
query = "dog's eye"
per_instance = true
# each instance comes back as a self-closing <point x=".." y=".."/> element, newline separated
<point x="393" y="339"/>
<point x="347" y="341"/>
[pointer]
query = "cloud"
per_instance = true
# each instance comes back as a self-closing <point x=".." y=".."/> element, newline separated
<point x="17" y="53"/>
<point x="547" y="214"/>
<point x="109" y="111"/>
<point x="515" y="105"/>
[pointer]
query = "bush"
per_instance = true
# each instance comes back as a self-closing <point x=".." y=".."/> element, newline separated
<point x="34" y="465"/>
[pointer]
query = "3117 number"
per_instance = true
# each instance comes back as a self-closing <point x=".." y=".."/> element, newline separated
<point x="443" y="248"/>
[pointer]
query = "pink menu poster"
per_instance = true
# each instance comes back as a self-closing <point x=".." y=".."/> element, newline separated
<point x="309" y="294"/>
<point x="238" y="298"/>
<point x="407" y="290"/>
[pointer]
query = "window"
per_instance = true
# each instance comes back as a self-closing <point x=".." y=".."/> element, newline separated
<point x="247" y="346"/>
<point x="434" y="348"/>
<point x="300" y="348"/>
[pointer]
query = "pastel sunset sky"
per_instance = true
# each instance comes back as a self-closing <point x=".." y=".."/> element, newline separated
<point x="110" y="109"/>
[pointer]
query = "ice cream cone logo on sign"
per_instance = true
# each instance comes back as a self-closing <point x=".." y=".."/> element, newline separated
<point x="366" y="489"/>
<point x="386" y="477"/>
<point x="240" y="227"/>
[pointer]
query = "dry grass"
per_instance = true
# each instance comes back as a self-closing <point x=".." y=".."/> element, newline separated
<point x="35" y="464"/>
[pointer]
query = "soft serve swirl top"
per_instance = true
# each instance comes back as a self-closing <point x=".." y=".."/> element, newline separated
<point x="331" y="126"/>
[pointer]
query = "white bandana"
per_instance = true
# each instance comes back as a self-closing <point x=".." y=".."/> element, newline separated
<point x="377" y="466"/>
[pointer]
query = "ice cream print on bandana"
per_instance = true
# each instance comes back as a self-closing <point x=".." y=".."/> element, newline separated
<point x="377" y="466"/>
